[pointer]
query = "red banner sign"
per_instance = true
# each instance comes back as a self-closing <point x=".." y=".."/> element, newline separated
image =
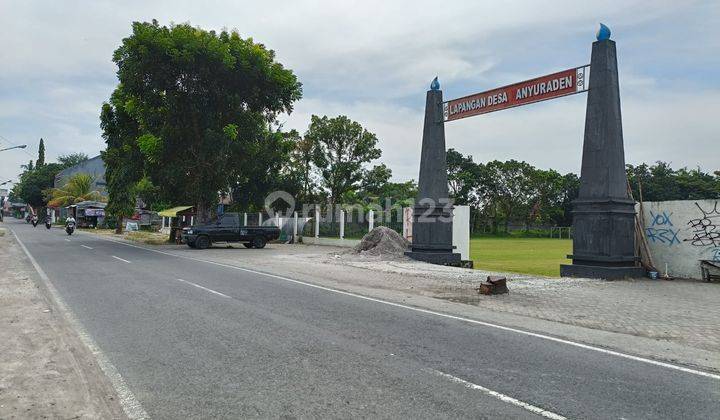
<point x="555" y="85"/>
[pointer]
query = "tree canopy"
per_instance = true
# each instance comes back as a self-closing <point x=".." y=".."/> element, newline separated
<point x="192" y="107"/>
<point x="340" y="149"/>
<point x="72" y="159"/>
<point x="41" y="154"/>
<point x="511" y="192"/>
<point x="659" y="182"/>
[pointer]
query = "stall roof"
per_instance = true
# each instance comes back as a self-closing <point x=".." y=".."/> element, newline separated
<point x="89" y="204"/>
<point x="173" y="211"/>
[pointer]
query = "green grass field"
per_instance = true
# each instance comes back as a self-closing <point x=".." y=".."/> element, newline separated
<point x="541" y="256"/>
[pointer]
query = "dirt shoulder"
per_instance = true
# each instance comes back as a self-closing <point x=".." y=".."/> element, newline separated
<point x="45" y="369"/>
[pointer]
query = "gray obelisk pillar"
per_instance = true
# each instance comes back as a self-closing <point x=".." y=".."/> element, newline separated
<point x="603" y="214"/>
<point x="432" y="214"/>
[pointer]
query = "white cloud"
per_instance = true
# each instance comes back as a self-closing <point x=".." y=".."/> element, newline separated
<point x="373" y="60"/>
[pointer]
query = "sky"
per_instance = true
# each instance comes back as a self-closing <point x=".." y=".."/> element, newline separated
<point x="373" y="61"/>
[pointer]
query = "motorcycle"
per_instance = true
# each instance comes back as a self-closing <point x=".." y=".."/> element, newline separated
<point x="48" y="225"/>
<point x="70" y="228"/>
<point x="34" y="221"/>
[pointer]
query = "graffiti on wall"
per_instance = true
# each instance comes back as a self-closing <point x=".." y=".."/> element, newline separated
<point x="705" y="230"/>
<point x="662" y="230"/>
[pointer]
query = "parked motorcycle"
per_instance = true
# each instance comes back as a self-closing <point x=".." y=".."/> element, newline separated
<point x="70" y="228"/>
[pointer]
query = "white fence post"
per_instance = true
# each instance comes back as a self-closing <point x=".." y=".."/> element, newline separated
<point x="295" y="224"/>
<point x="407" y="215"/>
<point x="404" y="221"/>
<point x="317" y="223"/>
<point x="371" y="220"/>
<point x="245" y="219"/>
<point x="259" y="218"/>
<point x="342" y="224"/>
<point x="277" y="219"/>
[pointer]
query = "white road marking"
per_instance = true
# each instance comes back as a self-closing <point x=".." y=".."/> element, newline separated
<point x="67" y="240"/>
<point x="501" y="397"/>
<point x="85" y="246"/>
<point x="121" y="259"/>
<point x="444" y="315"/>
<point x="132" y="407"/>
<point x="204" y="288"/>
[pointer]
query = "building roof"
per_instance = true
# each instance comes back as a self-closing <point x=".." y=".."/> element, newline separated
<point x="89" y="204"/>
<point x="173" y="211"/>
<point x="72" y="168"/>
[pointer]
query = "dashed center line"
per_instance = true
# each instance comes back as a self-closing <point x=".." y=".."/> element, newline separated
<point x="576" y="344"/>
<point x="67" y="240"/>
<point x="204" y="288"/>
<point x="502" y="397"/>
<point x="85" y="246"/>
<point x="121" y="259"/>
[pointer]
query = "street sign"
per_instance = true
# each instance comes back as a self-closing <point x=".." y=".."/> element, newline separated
<point x="567" y="82"/>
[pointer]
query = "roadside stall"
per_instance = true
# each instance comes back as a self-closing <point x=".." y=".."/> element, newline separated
<point x="176" y="218"/>
<point x="87" y="213"/>
<point x="146" y="219"/>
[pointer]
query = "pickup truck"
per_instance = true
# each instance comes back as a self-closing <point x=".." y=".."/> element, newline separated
<point x="227" y="228"/>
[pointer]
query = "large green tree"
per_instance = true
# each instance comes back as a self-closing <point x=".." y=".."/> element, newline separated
<point x="463" y="176"/>
<point x="341" y="148"/>
<point x="300" y="169"/>
<point x="375" y="180"/>
<point x="269" y="170"/>
<point x="198" y="101"/>
<point x="122" y="157"/>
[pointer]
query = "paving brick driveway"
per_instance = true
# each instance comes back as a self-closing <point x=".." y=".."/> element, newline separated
<point x="686" y="312"/>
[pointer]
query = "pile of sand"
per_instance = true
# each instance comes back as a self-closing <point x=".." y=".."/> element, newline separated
<point x="383" y="242"/>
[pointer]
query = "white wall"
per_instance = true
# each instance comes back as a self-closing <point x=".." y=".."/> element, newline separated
<point x="461" y="231"/>
<point x="680" y="233"/>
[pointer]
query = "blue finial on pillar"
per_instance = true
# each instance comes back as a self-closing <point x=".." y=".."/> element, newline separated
<point x="603" y="33"/>
<point x="435" y="85"/>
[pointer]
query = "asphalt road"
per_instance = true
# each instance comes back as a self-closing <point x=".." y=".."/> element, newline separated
<point x="196" y="340"/>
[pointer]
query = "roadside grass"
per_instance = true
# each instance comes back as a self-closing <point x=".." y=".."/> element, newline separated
<point x="540" y="256"/>
<point x="150" y="238"/>
<point x="2" y="232"/>
<point x="141" y="236"/>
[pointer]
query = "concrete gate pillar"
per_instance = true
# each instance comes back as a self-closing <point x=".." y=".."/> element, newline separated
<point x="603" y="213"/>
<point x="432" y="214"/>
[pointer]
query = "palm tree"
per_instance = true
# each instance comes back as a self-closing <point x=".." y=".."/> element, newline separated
<point x="77" y="189"/>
